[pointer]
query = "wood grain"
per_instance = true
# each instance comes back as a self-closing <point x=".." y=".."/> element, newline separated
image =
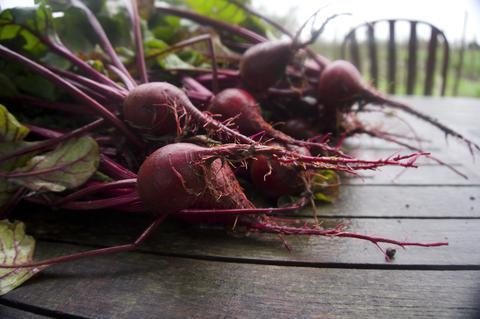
<point x="178" y="239"/>
<point x="137" y="285"/>
<point x="13" y="313"/>
<point x="404" y="202"/>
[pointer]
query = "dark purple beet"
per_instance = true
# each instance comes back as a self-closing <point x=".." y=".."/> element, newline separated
<point x="264" y="64"/>
<point x="297" y="128"/>
<point x="176" y="177"/>
<point x="148" y="107"/>
<point x="240" y="105"/>
<point x="274" y="179"/>
<point x="340" y="85"/>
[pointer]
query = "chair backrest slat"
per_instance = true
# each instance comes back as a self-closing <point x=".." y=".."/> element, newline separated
<point x="412" y="58"/>
<point x="354" y="51"/>
<point x="431" y="61"/>
<point x="372" y="52"/>
<point x="446" y="57"/>
<point x="392" y="59"/>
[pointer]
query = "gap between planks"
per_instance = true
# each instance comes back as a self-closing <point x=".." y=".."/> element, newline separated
<point x="33" y="311"/>
<point x="285" y="263"/>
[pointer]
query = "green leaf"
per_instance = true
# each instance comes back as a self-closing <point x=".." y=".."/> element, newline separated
<point x="34" y="84"/>
<point x="18" y="24"/>
<point x="171" y="61"/>
<point x="166" y="61"/>
<point x="322" y="198"/>
<point x="218" y="9"/>
<point x="7" y="189"/>
<point x="325" y="186"/>
<point x="228" y="12"/>
<point x="20" y="29"/>
<point x="10" y="129"/>
<point x="20" y="80"/>
<point x="15" y="248"/>
<point x="12" y="134"/>
<point x="165" y="27"/>
<point x="113" y="17"/>
<point x="8" y="148"/>
<point x="68" y="166"/>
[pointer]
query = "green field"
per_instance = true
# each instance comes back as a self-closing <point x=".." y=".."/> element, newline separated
<point x="469" y="84"/>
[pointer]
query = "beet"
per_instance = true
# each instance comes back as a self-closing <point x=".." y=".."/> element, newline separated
<point x="297" y="128"/>
<point x="264" y="64"/>
<point x="241" y="106"/>
<point x="148" y="109"/>
<point x="274" y="179"/>
<point x="176" y="177"/>
<point x="340" y="85"/>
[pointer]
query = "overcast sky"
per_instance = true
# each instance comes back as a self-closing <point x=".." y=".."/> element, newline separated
<point x="447" y="15"/>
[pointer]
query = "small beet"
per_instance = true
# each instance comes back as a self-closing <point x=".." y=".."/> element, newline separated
<point x="148" y="109"/>
<point x="264" y="64"/>
<point x="241" y="106"/>
<point x="275" y="179"/>
<point x="297" y="128"/>
<point x="340" y="85"/>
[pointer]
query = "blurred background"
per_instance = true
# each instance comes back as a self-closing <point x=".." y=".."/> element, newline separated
<point x="459" y="20"/>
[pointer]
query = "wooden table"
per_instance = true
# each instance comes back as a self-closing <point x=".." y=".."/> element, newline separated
<point x="186" y="272"/>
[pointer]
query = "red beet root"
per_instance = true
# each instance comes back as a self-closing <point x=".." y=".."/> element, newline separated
<point x="297" y="128"/>
<point x="177" y="177"/>
<point x="275" y="179"/>
<point x="239" y="105"/>
<point x="151" y="110"/>
<point x="340" y="85"/>
<point x="264" y="64"/>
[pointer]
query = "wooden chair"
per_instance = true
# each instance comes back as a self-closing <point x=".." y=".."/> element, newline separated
<point x="436" y="36"/>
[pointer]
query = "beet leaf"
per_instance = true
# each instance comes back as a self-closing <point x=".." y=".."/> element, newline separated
<point x="16" y="247"/>
<point x="68" y="166"/>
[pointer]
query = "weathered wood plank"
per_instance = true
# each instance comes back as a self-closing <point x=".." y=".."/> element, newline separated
<point x="398" y="201"/>
<point x="424" y="175"/>
<point x="13" y="313"/>
<point x="407" y="201"/>
<point x="180" y="239"/>
<point x="459" y="114"/>
<point x="137" y="285"/>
